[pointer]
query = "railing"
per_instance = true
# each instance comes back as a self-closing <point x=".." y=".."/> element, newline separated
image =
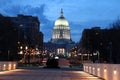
<point x="105" y="71"/>
<point x="5" y="66"/>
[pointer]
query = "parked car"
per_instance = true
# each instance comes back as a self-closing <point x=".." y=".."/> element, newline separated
<point x="53" y="62"/>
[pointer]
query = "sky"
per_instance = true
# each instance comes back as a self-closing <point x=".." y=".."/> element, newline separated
<point x="81" y="14"/>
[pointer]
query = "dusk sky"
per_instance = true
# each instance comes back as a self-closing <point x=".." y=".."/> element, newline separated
<point x="81" y="14"/>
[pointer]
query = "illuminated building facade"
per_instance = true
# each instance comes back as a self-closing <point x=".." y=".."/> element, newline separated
<point x="61" y="38"/>
<point x="61" y="30"/>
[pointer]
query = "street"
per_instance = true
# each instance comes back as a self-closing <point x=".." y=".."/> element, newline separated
<point x="46" y="74"/>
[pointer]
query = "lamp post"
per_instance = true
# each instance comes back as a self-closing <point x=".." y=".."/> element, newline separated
<point x="98" y="54"/>
<point x="24" y="52"/>
<point x="27" y="52"/>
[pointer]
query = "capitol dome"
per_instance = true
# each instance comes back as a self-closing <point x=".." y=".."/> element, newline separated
<point x="61" y="30"/>
<point x="61" y="22"/>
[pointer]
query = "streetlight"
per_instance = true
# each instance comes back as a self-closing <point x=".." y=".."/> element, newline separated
<point x="23" y="51"/>
<point x="27" y="52"/>
<point x="98" y="54"/>
<point x="21" y="47"/>
<point x="26" y="47"/>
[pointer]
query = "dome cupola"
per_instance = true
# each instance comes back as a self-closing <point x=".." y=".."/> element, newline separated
<point x="61" y="22"/>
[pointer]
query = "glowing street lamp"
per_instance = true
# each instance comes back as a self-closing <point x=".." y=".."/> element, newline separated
<point x="26" y="47"/>
<point x="21" y="47"/>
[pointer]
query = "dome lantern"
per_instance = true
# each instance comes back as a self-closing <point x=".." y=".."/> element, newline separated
<point x="61" y="14"/>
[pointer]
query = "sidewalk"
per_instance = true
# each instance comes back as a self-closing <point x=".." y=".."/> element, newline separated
<point x="46" y="74"/>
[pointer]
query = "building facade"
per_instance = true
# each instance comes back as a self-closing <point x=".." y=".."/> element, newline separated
<point x="29" y="38"/>
<point x="101" y="44"/>
<point x="61" y="37"/>
<point x="8" y="40"/>
<point x="61" y="30"/>
<point x="28" y="30"/>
